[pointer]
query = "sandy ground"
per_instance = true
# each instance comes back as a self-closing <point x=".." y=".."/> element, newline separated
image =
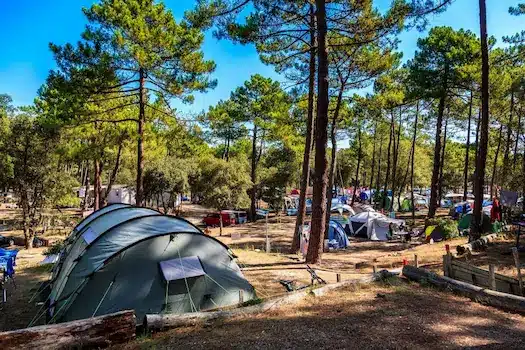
<point x="380" y="316"/>
<point x="263" y="270"/>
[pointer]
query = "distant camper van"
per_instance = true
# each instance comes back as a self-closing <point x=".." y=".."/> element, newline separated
<point x="241" y="217"/>
<point x="213" y="219"/>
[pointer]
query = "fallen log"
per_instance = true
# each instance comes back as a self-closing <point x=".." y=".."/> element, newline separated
<point x="478" y="244"/>
<point x="96" y="332"/>
<point x="155" y="322"/>
<point x="509" y="302"/>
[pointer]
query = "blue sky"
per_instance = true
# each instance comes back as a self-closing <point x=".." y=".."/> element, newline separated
<point x="29" y="25"/>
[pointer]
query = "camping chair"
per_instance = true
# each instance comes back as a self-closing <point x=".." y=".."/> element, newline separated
<point x="9" y="253"/>
<point x="7" y="271"/>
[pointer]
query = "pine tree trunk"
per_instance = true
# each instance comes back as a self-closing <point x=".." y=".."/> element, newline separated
<point x="495" y="167"/>
<point x="518" y="133"/>
<point x="98" y="184"/>
<point x="467" y="150"/>
<point x="387" y="177"/>
<point x="482" y="156"/>
<point x="333" y="160"/>
<point x="373" y="159"/>
<point x="523" y="182"/>
<point x="506" y="154"/>
<point x="412" y="164"/>
<point x="440" y="192"/>
<point x="114" y="173"/>
<point x="396" y="156"/>
<point x="359" y="151"/>
<point x="378" y="180"/>
<point x="228" y="149"/>
<point x="139" y="196"/>
<point x="87" y="186"/>
<point x="333" y="133"/>
<point x="253" y="176"/>
<point x="305" y="176"/>
<point x="437" y="157"/>
<point x="321" y="124"/>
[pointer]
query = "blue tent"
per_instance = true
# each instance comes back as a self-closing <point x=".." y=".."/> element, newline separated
<point x="336" y="236"/>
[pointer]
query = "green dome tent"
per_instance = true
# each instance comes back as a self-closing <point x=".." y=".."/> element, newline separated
<point x="137" y="258"/>
<point x="465" y="222"/>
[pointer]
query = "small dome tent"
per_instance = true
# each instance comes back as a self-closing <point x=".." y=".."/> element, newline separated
<point x="374" y="226"/>
<point x="337" y="235"/>
<point x="137" y="258"/>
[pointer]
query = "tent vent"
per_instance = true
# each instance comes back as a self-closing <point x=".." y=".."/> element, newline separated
<point x="179" y="268"/>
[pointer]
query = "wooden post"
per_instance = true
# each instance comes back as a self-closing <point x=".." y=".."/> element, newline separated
<point x="338" y="277"/>
<point x="241" y="296"/>
<point x="492" y="277"/>
<point x="220" y="223"/>
<point x="268" y="247"/>
<point x="445" y="266"/>
<point x="416" y="262"/>
<point x="374" y="268"/>
<point x="516" y="256"/>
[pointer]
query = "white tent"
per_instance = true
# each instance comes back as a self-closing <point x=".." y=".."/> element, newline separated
<point x="362" y="208"/>
<point x="374" y="226"/>
<point x="342" y="209"/>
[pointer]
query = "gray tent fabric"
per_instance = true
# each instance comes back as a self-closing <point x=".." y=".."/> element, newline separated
<point x="77" y="244"/>
<point x="98" y="213"/>
<point x="121" y="269"/>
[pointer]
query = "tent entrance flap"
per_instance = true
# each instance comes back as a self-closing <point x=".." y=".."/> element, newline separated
<point x="179" y="268"/>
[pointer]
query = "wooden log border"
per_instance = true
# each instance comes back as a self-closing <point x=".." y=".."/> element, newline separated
<point x="96" y="332"/>
<point x="508" y="302"/>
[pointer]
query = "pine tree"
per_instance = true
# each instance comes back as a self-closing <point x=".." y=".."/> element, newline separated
<point x="145" y="51"/>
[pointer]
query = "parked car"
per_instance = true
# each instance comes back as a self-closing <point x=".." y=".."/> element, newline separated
<point x="6" y="241"/>
<point x="213" y="219"/>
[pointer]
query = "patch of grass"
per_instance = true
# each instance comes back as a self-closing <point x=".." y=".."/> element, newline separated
<point x="39" y="268"/>
<point x="251" y="302"/>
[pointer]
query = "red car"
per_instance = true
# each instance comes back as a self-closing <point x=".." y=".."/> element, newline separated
<point x="213" y="219"/>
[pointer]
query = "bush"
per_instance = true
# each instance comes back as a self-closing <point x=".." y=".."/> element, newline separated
<point x="448" y="227"/>
<point x="54" y="249"/>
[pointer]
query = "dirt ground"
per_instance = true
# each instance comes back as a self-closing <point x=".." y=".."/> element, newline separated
<point x="378" y="316"/>
<point x="263" y="270"/>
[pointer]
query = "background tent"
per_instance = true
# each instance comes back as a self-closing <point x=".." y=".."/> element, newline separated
<point x="374" y="226"/>
<point x="337" y="236"/>
<point x="406" y="205"/>
<point x="362" y="208"/>
<point x="342" y="209"/>
<point x="137" y="258"/>
<point x="465" y="222"/>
